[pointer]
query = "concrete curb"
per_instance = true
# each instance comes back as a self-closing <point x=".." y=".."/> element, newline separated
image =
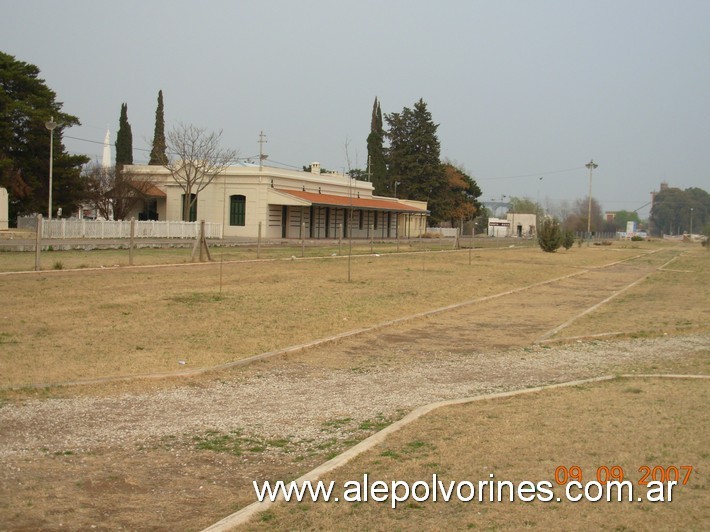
<point x="570" y="321"/>
<point x="245" y="514"/>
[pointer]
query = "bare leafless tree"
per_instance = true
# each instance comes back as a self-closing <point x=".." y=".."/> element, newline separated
<point x="114" y="194"/>
<point x="195" y="158"/>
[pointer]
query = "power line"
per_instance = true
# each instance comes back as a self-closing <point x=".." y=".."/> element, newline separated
<point x="536" y="174"/>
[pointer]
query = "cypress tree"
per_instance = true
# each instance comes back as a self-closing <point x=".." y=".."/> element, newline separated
<point x="549" y="236"/>
<point x="414" y="159"/>
<point x="157" y="154"/>
<point x="376" y="152"/>
<point x="124" y="140"/>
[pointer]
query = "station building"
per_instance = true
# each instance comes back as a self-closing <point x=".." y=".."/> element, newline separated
<point x="252" y="200"/>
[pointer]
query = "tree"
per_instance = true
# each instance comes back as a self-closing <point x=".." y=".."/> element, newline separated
<point x="577" y="219"/>
<point x="157" y="154"/>
<point x="124" y="140"/>
<point x="522" y="205"/>
<point x="413" y="159"/>
<point x="567" y="238"/>
<point x="671" y="210"/>
<point x="195" y="158"/>
<point x="549" y="237"/>
<point x="622" y="217"/>
<point x="114" y="194"/>
<point x="462" y="196"/>
<point x="376" y="152"/>
<point x="26" y="104"/>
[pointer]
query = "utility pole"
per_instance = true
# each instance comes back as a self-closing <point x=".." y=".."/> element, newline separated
<point x="262" y="155"/>
<point x="591" y="165"/>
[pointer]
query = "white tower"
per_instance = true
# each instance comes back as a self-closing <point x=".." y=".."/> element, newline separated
<point x="106" y="156"/>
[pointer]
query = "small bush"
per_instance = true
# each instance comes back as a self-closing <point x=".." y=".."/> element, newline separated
<point x="568" y="239"/>
<point x="637" y="238"/>
<point x="550" y="235"/>
<point x="58" y="265"/>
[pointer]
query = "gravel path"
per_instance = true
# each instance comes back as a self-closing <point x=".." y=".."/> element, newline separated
<point x="293" y="399"/>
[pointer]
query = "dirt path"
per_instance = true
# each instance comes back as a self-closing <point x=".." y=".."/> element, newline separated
<point x="142" y="459"/>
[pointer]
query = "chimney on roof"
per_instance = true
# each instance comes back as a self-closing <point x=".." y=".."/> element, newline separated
<point x="315" y="168"/>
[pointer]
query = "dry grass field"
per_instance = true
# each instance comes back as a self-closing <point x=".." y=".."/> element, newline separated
<point x="181" y="452"/>
<point x="76" y="325"/>
<point x="627" y="423"/>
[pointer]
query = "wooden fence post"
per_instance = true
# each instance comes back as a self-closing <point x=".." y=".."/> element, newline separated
<point x="38" y="242"/>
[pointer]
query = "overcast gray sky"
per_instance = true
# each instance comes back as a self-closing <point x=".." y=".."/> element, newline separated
<point x="522" y="89"/>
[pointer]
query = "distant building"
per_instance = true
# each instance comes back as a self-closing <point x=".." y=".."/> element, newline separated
<point x="515" y="224"/>
<point x="284" y="203"/>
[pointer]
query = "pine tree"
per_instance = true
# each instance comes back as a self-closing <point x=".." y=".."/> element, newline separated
<point x="157" y="154"/>
<point x="124" y="140"/>
<point x="26" y="104"/>
<point x="376" y="152"/>
<point x="550" y="235"/>
<point x="567" y="238"/>
<point x="414" y="159"/>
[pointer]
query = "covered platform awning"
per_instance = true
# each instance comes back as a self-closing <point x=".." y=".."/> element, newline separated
<point x="299" y="197"/>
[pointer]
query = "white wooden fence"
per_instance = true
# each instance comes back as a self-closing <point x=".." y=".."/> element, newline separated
<point x="74" y="228"/>
<point x="443" y="231"/>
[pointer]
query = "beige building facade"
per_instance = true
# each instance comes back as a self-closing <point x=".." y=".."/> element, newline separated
<point x="521" y="225"/>
<point x="249" y="200"/>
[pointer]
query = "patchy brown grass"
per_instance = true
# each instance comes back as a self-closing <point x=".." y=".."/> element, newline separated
<point x="69" y="325"/>
<point x="673" y="298"/>
<point x="629" y="423"/>
<point x="74" y="325"/>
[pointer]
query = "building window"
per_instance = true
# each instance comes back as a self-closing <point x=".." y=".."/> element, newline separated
<point x="237" y="210"/>
<point x="192" y="217"/>
<point x="360" y="219"/>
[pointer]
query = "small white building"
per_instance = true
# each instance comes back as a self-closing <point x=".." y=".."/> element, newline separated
<point x="515" y="224"/>
<point x="284" y="203"/>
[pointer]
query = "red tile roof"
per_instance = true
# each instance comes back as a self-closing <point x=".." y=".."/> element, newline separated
<point x="358" y="203"/>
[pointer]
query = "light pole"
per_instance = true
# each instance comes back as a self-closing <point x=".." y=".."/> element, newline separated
<point x="537" y="210"/>
<point x="51" y="125"/>
<point x="691" y="222"/>
<point x="591" y="165"/>
<point x="395" y="187"/>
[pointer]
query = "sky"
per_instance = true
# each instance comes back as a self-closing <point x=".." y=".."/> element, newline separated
<point x="525" y="92"/>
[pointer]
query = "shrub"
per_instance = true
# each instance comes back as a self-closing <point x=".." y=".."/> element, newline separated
<point x="636" y="238"/>
<point x="568" y="239"/>
<point x="550" y="235"/>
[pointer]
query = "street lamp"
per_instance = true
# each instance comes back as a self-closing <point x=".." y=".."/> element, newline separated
<point x="537" y="207"/>
<point x="591" y="165"/>
<point x="51" y="125"/>
<point x="395" y="187"/>
<point x="691" y="222"/>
